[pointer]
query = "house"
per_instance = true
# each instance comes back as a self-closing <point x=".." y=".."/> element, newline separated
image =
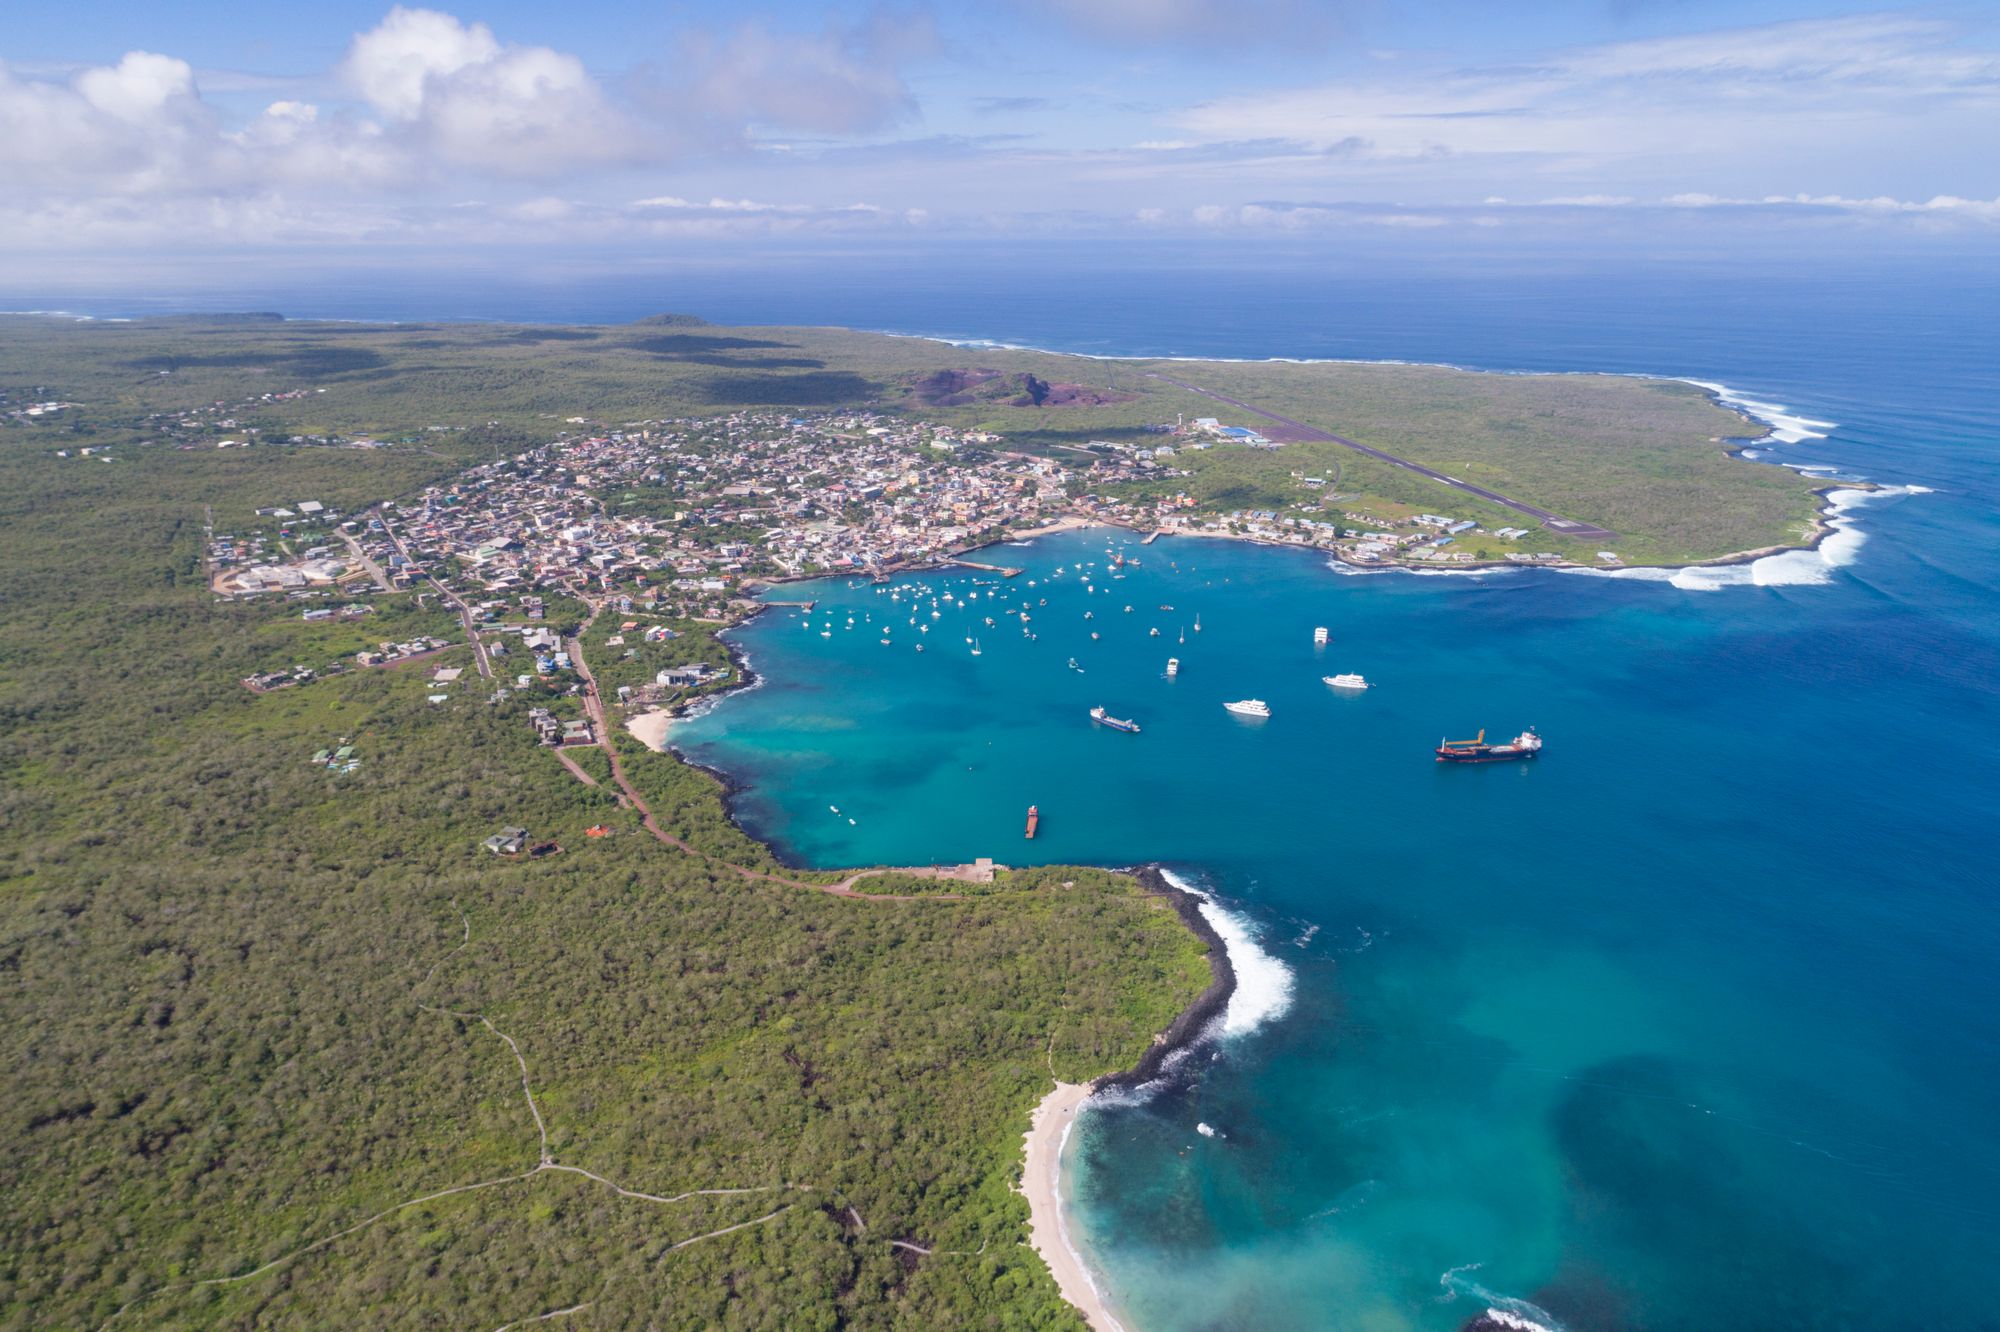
<point x="577" y="732"/>
<point x="507" y="842"/>
<point x="687" y="676"/>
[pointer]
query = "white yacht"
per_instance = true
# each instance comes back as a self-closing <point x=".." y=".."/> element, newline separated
<point x="1319" y="636"/>
<point x="1249" y="707"/>
<point x="1173" y="667"/>
<point x="1345" y="680"/>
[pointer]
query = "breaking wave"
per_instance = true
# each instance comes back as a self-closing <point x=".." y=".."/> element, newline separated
<point x="1263" y="983"/>
<point x="1791" y="568"/>
<point x="1786" y="428"/>
<point x="1505" y="1311"/>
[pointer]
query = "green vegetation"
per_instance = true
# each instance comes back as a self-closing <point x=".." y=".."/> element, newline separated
<point x="254" y="1011"/>
<point x="244" y="999"/>
<point x="1643" y="458"/>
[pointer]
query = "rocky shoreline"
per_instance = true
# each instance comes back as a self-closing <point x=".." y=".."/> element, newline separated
<point x="1196" y="1019"/>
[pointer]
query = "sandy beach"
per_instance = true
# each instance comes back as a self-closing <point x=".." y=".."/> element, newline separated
<point x="1047" y="1131"/>
<point x="651" y="728"/>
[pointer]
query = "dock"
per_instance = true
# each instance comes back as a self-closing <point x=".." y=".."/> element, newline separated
<point x="1000" y="569"/>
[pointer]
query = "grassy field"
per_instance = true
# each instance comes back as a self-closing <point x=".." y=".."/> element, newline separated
<point x="246" y="1000"/>
<point x="1643" y="458"/>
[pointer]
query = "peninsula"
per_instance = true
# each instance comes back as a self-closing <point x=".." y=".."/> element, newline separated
<point x="417" y="979"/>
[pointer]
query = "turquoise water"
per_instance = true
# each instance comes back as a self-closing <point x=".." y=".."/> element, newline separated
<point x="1610" y="1026"/>
<point x="1692" y="1024"/>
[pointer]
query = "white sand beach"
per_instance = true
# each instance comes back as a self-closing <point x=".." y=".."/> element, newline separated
<point x="651" y="728"/>
<point x="1048" y="1130"/>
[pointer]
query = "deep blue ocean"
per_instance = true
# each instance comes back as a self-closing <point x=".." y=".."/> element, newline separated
<point x="1692" y="1023"/>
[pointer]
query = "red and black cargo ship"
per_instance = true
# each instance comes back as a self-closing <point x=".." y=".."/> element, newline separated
<point x="1526" y="745"/>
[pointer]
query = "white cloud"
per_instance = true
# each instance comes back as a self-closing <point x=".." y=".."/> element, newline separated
<point x="467" y="100"/>
<point x="1871" y="121"/>
<point x="139" y="88"/>
<point x="1832" y="97"/>
<point x="1944" y="205"/>
<point x="393" y="64"/>
<point x="840" y="80"/>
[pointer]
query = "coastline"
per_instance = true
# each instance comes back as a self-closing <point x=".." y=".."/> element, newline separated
<point x="651" y="728"/>
<point x="1050" y="1124"/>
<point x="1041" y="1180"/>
<point x="1778" y="424"/>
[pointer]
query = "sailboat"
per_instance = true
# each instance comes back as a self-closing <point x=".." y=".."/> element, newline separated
<point x="975" y="647"/>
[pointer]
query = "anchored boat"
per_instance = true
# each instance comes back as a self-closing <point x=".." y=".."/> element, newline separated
<point x="1526" y="745"/>
<point x="1103" y="718"/>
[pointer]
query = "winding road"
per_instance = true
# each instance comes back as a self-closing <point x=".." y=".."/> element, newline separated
<point x="1298" y="431"/>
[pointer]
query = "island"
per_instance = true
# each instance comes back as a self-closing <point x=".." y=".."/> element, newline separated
<point x="364" y="957"/>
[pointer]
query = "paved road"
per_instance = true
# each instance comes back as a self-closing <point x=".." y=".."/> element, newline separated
<point x="374" y="569"/>
<point x="1300" y="430"/>
<point x="464" y="611"/>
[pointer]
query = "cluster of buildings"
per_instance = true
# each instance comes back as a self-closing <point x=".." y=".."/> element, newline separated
<point x="556" y="731"/>
<point x="384" y="653"/>
<point x="265" y="682"/>
<point x="35" y="409"/>
<point x="680" y="512"/>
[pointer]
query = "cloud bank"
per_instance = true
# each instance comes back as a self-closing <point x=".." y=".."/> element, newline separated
<point x="434" y="128"/>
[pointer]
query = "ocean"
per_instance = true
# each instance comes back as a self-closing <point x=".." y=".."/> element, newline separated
<point x="1694" y="1022"/>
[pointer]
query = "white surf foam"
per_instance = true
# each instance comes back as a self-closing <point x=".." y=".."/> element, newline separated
<point x="1792" y="568"/>
<point x="1263" y="983"/>
<point x="1337" y="565"/>
<point x="1786" y="428"/>
<point x="1516" y="1314"/>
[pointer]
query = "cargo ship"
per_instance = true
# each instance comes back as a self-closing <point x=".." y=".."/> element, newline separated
<point x="1103" y="718"/>
<point x="1526" y="745"/>
<point x="1034" y="820"/>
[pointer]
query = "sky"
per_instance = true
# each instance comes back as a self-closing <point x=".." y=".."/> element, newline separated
<point x="133" y="128"/>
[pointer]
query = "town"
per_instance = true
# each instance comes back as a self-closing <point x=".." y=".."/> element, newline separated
<point x="689" y="515"/>
<point x="690" y="519"/>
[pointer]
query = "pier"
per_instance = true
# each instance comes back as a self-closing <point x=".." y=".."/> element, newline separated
<point x="1000" y="569"/>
